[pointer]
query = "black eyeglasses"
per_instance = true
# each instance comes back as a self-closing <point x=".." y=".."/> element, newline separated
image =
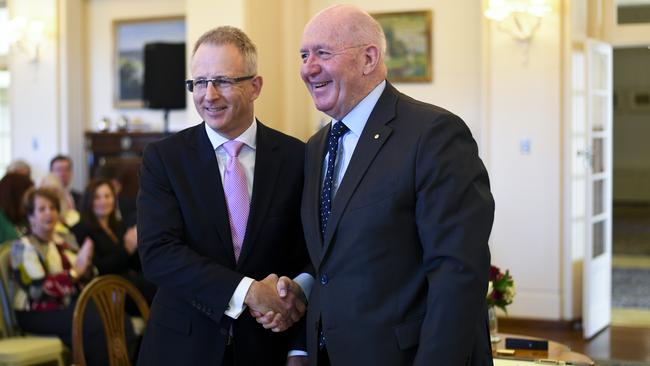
<point x="220" y="82"/>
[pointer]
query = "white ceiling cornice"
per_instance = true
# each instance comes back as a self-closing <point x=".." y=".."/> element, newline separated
<point x="632" y="2"/>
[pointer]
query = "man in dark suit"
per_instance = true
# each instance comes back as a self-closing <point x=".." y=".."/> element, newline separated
<point x="61" y="167"/>
<point x="396" y="211"/>
<point x="210" y="236"/>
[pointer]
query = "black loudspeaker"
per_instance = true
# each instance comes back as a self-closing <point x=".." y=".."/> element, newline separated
<point x="164" y="76"/>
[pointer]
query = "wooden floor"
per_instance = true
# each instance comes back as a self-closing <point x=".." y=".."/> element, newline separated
<point x="616" y="342"/>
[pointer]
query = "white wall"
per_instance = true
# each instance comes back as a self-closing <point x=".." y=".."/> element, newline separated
<point x="99" y="16"/>
<point x="525" y="104"/>
<point x="276" y="28"/>
<point x="71" y="90"/>
<point x="33" y="92"/>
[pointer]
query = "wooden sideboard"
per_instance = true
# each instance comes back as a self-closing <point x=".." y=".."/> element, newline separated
<point x="122" y="150"/>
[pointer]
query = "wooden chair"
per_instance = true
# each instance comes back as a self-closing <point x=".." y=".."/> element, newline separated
<point x="109" y="294"/>
<point x="16" y="349"/>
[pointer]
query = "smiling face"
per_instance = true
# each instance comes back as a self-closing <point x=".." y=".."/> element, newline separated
<point x="228" y="111"/>
<point x="331" y="70"/>
<point x="103" y="201"/>
<point x="341" y="59"/>
<point x="44" y="218"/>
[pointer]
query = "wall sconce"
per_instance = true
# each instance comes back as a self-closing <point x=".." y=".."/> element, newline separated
<point x="26" y="35"/>
<point x="519" y="18"/>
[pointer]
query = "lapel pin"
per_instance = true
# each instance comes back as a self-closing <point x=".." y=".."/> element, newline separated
<point x="376" y="136"/>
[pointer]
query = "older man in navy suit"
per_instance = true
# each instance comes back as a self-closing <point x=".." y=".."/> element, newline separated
<point x="396" y="211"/>
<point x="218" y="218"/>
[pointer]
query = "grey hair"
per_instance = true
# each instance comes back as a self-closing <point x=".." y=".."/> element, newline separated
<point x="376" y="34"/>
<point x="230" y="35"/>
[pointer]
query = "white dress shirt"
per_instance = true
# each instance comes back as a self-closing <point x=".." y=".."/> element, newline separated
<point x="355" y="120"/>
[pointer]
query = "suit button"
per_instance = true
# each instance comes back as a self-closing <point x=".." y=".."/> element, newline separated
<point x="324" y="279"/>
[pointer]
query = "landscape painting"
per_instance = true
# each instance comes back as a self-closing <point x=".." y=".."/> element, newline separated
<point x="130" y="37"/>
<point x="408" y="45"/>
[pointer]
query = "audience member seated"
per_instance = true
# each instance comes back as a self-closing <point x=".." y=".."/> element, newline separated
<point x="12" y="219"/>
<point x="21" y="167"/>
<point x="69" y="216"/>
<point x="125" y="208"/>
<point x="48" y="274"/>
<point x="61" y="167"/>
<point x="115" y="244"/>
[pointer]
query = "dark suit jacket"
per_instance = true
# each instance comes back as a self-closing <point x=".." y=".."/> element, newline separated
<point x="76" y="197"/>
<point x="127" y="209"/>
<point x="402" y="272"/>
<point x="186" y="248"/>
<point x="108" y="256"/>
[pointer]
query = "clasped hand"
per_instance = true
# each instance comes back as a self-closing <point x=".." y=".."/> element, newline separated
<point x="276" y="303"/>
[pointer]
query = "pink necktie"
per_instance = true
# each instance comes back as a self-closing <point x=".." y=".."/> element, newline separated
<point x="236" y="190"/>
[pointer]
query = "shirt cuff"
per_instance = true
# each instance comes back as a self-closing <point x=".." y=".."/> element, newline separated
<point x="236" y="305"/>
<point x="294" y="353"/>
<point x="305" y="281"/>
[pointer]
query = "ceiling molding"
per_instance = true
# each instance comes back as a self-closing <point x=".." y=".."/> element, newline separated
<point x="622" y="2"/>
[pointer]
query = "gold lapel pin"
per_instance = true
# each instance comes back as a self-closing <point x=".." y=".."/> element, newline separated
<point x="376" y="136"/>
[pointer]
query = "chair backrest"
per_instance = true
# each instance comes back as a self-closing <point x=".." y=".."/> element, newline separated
<point x="109" y="294"/>
<point x="8" y="324"/>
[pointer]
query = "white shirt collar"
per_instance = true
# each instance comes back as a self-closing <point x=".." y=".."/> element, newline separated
<point x="356" y="119"/>
<point x="248" y="137"/>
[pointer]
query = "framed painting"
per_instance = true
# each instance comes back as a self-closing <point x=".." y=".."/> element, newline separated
<point x="408" y="45"/>
<point x="130" y="37"/>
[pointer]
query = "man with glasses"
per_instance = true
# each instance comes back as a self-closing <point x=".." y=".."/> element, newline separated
<point x="396" y="210"/>
<point x="218" y="218"/>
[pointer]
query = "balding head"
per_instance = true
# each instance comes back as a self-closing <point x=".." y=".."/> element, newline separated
<point x="343" y="58"/>
<point x="350" y="23"/>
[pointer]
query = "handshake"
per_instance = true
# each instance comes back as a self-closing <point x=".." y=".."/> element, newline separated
<point x="276" y="303"/>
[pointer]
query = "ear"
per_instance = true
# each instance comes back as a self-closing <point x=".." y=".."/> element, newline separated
<point x="256" y="83"/>
<point x="371" y="58"/>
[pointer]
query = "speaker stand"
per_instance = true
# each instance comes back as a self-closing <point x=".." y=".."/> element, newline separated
<point x="166" y="120"/>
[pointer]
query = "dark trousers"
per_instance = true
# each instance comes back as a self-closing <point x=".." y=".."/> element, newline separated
<point x="59" y="323"/>
<point x="323" y="357"/>
<point x="228" y="359"/>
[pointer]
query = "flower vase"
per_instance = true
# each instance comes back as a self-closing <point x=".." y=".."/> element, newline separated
<point x="494" y="324"/>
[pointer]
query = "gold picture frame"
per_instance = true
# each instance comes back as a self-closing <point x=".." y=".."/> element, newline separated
<point x="129" y="39"/>
<point x="408" y="45"/>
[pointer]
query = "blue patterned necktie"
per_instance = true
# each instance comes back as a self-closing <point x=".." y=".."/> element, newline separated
<point x="337" y="130"/>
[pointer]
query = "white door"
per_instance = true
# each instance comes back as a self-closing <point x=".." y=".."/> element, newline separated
<point x="597" y="265"/>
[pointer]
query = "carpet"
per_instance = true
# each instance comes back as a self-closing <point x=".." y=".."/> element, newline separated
<point x="620" y="363"/>
<point x="630" y="287"/>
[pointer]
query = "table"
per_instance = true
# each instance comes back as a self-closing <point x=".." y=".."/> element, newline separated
<point x="556" y="351"/>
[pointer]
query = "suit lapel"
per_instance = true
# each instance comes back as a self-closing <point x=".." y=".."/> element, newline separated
<point x="267" y="167"/>
<point x="313" y="190"/>
<point x="373" y="137"/>
<point x="209" y="184"/>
